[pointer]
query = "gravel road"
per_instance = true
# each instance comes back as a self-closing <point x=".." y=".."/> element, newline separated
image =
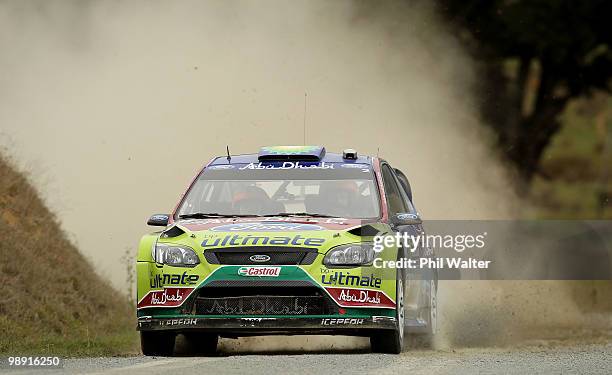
<point x="542" y="359"/>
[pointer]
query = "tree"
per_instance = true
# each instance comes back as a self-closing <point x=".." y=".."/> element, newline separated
<point x="536" y="55"/>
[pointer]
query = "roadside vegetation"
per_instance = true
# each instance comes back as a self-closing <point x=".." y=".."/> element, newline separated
<point x="576" y="169"/>
<point x="52" y="301"/>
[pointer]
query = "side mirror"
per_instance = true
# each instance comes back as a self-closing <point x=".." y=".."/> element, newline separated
<point x="158" y="220"/>
<point x="406" y="218"/>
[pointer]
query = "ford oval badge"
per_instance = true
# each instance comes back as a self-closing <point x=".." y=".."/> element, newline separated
<point x="259" y="258"/>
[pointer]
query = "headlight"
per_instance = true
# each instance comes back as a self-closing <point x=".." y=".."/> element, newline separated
<point x="350" y="255"/>
<point x="175" y="255"/>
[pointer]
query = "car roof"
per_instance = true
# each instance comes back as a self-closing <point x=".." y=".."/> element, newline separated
<point x="327" y="157"/>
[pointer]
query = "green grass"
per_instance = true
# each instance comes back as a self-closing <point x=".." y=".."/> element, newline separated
<point x="81" y="342"/>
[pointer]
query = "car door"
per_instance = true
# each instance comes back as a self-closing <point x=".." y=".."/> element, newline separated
<point x="404" y="218"/>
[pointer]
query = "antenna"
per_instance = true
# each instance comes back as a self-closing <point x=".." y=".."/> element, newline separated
<point x="229" y="158"/>
<point x="377" y="151"/>
<point x="305" y="118"/>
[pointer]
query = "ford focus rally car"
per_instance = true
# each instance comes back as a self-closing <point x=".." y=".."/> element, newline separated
<point x="282" y="242"/>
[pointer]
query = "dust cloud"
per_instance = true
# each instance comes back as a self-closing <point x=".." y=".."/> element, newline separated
<point x="115" y="105"/>
<point x="112" y="107"/>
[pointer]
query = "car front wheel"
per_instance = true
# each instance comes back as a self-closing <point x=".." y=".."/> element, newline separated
<point x="157" y="343"/>
<point x="392" y="341"/>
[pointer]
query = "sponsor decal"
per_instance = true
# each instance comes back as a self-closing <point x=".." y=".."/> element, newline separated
<point x="254" y="306"/>
<point x="178" y="322"/>
<point x="407" y="216"/>
<point x="331" y="220"/>
<point x="259" y="258"/>
<point x="360" y="298"/>
<point x="237" y="240"/>
<point x="259" y="271"/>
<point x="169" y="297"/>
<point x="266" y="227"/>
<point x="341" y="321"/>
<point x="159" y="217"/>
<point x="363" y="167"/>
<point x="288" y="165"/>
<point x="223" y="166"/>
<point x="161" y="298"/>
<point x="346" y="279"/>
<point x="158" y="281"/>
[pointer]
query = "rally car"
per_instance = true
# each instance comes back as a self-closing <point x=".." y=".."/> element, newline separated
<point x="282" y="242"/>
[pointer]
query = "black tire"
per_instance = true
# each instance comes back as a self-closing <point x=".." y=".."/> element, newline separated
<point x="157" y="343"/>
<point x="424" y="338"/>
<point x="200" y="343"/>
<point x="392" y="341"/>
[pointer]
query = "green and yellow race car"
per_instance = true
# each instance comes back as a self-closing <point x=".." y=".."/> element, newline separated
<point x="285" y="242"/>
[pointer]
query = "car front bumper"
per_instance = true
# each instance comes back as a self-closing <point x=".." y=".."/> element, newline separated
<point x="254" y="326"/>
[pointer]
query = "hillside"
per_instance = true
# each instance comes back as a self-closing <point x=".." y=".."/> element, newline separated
<point x="52" y="301"/>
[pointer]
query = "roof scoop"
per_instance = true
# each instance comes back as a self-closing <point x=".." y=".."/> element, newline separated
<point x="291" y="153"/>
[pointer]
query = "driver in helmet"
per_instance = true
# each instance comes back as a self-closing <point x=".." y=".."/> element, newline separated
<point x="339" y="197"/>
<point x="251" y="200"/>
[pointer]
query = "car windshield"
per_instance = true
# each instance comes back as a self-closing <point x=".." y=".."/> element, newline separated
<point x="335" y="190"/>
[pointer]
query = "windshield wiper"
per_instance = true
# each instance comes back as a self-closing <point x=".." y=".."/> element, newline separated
<point x="206" y="215"/>
<point x="289" y="214"/>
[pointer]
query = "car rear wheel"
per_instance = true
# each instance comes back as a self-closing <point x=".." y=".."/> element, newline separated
<point x="392" y="341"/>
<point x="199" y="343"/>
<point x="424" y="338"/>
<point x="157" y="343"/>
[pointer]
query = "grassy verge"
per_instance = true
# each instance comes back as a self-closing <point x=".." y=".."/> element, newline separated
<point x="53" y="301"/>
<point x="81" y="342"/>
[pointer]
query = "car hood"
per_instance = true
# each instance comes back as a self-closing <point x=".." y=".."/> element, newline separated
<point x="319" y="233"/>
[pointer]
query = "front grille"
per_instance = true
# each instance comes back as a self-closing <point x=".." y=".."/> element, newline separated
<point x="276" y="255"/>
<point x="289" y="301"/>
<point x="261" y="305"/>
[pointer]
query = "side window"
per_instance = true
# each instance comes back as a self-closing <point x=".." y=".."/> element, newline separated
<point x="404" y="194"/>
<point x="403" y="183"/>
<point x="394" y="197"/>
